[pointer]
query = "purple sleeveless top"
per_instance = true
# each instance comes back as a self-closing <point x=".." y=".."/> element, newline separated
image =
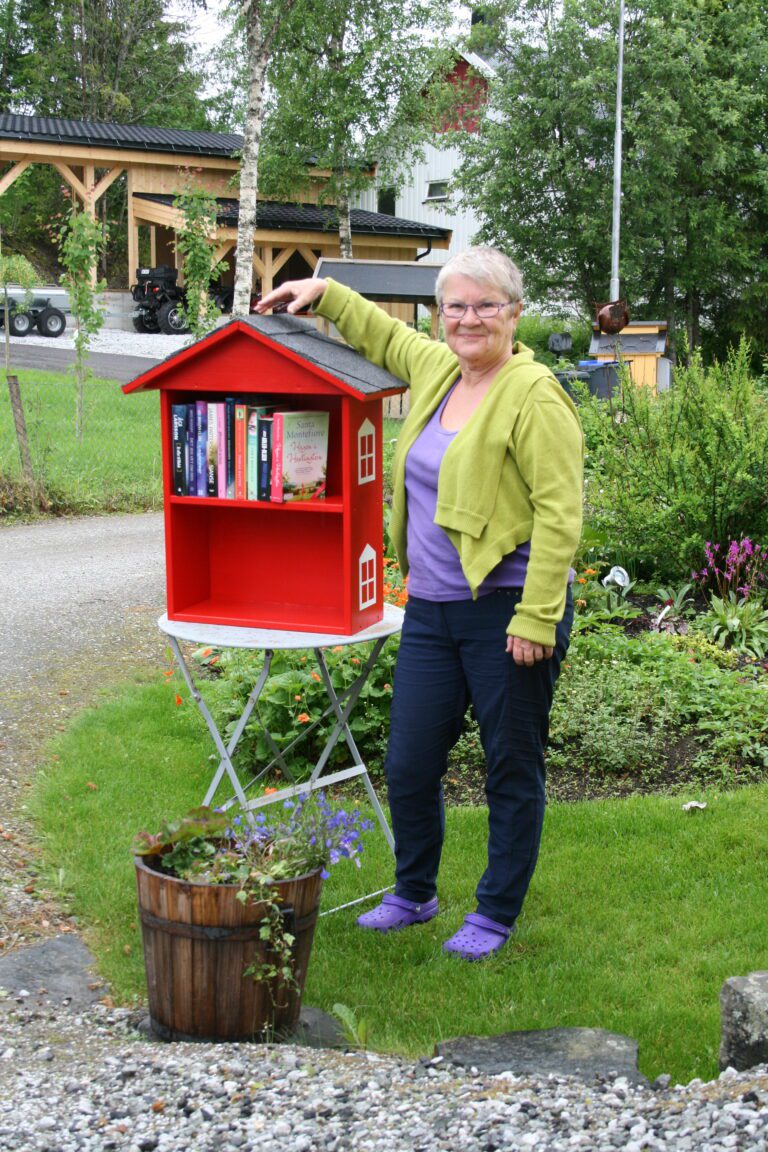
<point x="434" y="571"/>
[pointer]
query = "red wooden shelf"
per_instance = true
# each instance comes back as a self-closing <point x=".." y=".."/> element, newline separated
<point x="334" y="505"/>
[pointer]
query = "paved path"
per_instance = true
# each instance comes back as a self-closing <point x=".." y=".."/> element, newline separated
<point x="79" y="600"/>
<point x="109" y="367"/>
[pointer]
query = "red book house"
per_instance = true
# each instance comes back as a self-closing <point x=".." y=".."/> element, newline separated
<point x="305" y="553"/>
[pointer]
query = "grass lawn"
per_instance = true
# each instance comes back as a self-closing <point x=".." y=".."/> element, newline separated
<point x="116" y="466"/>
<point x="637" y="914"/>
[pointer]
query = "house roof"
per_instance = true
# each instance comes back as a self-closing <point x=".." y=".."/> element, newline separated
<point x="52" y="129"/>
<point x="312" y="218"/>
<point x="297" y="337"/>
<point x="391" y="280"/>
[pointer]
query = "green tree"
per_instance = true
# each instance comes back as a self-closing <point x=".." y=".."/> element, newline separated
<point x="359" y="84"/>
<point x="17" y="271"/>
<point x="80" y="245"/>
<point x="196" y="241"/>
<point x="695" y="186"/>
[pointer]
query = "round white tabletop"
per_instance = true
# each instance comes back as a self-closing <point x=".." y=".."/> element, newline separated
<point x="226" y="636"/>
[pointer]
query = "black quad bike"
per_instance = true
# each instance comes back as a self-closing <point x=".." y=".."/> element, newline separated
<point x="23" y="318"/>
<point x="159" y="301"/>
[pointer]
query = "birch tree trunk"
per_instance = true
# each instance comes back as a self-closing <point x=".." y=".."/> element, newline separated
<point x="345" y="226"/>
<point x="258" y="59"/>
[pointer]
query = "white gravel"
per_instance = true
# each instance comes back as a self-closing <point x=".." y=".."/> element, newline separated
<point x="115" y="342"/>
<point x="88" y="1083"/>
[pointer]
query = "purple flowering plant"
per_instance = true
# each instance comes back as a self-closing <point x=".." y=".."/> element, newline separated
<point x="740" y="570"/>
<point x="254" y="852"/>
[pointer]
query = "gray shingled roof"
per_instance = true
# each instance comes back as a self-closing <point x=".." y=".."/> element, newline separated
<point x="312" y="218"/>
<point x="52" y="129"/>
<point x="384" y="279"/>
<point x="638" y="343"/>
<point x="303" y="339"/>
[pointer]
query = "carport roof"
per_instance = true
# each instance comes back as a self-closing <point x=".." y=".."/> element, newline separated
<point x="53" y="129"/>
<point x="312" y="218"/>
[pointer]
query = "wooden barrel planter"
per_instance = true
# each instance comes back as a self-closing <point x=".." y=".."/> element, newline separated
<point x="198" y="941"/>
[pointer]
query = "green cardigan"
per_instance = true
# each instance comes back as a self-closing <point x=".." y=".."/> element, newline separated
<point x="512" y="473"/>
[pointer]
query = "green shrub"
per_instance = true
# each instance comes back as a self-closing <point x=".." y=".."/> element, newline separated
<point x="294" y="701"/>
<point x="668" y="473"/>
<point x="622" y="702"/>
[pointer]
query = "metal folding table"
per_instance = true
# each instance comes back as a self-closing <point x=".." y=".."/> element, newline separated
<point x="340" y="705"/>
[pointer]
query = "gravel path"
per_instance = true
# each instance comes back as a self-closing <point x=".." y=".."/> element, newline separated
<point x="78" y="601"/>
<point x="113" y="341"/>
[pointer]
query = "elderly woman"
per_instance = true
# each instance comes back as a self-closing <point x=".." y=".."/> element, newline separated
<point x="486" y="516"/>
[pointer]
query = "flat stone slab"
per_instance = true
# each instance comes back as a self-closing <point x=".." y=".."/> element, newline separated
<point x="583" y="1052"/>
<point x="55" y="971"/>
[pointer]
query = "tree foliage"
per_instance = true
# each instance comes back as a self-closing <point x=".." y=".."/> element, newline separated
<point x="81" y="241"/>
<point x="695" y="170"/>
<point x="196" y="242"/>
<point x="358" y="84"/>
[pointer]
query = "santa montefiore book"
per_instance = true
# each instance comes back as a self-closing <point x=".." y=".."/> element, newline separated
<point x="299" y="455"/>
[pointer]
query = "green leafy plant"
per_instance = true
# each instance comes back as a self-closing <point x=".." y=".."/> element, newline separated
<point x="81" y="241"/>
<point x="293" y="706"/>
<point x="356" y="1028"/>
<point x="209" y="847"/>
<point x="676" y="599"/>
<point x="196" y="241"/>
<point x="667" y="473"/>
<point x="737" y="622"/>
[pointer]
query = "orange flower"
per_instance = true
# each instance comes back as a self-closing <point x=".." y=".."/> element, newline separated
<point x="303" y="717"/>
<point x="316" y="676"/>
<point x="338" y="648"/>
<point x="387" y="687"/>
<point x="590" y="571"/>
<point x="178" y="700"/>
<point x="297" y="697"/>
<point x="354" y="660"/>
<point x="581" y="580"/>
<point x="269" y="791"/>
<point x="168" y="672"/>
<point x="206" y="652"/>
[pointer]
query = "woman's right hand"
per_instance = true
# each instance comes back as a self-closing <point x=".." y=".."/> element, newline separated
<point x="299" y="294"/>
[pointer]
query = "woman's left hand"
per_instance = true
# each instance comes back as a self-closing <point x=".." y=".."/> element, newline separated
<point x="526" y="652"/>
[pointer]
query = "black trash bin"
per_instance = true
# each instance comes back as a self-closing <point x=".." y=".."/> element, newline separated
<point x="603" y="377"/>
<point x="566" y="380"/>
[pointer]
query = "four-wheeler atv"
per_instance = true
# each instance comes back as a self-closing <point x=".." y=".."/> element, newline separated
<point x="159" y="301"/>
<point x="24" y="317"/>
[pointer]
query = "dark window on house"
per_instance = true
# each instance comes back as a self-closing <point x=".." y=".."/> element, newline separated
<point x="437" y="190"/>
<point x="386" y="202"/>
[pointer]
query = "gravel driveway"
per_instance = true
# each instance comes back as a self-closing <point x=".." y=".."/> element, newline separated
<point x="79" y="600"/>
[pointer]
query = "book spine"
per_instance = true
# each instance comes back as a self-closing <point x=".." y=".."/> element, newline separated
<point x="276" y="487"/>
<point x="201" y="415"/>
<point x="252" y="454"/>
<point x="265" y="457"/>
<point x="221" y="436"/>
<point x="229" y="420"/>
<point x="212" y="459"/>
<point x="178" y="434"/>
<point x="240" y="451"/>
<point x="190" y="459"/>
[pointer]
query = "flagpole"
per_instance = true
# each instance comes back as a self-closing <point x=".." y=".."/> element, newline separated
<point x="615" y="230"/>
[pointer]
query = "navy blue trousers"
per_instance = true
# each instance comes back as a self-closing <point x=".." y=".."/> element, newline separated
<point x="453" y="654"/>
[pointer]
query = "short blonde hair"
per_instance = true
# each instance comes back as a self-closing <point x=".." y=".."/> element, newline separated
<point x="484" y="266"/>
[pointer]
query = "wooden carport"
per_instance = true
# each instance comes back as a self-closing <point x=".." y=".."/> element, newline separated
<point x="156" y="163"/>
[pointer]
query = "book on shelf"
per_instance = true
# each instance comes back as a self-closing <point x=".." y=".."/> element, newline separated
<point x="299" y="455"/>
<point x="190" y="451"/>
<point x="179" y="448"/>
<point x="229" y="431"/>
<point x="212" y="451"/>
<point x="221" y="440"/>
<point x="201" y="421"/>
<point x="241" y="448"/>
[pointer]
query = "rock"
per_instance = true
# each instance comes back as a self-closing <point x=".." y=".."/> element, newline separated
<point x="56" y="970"/>
<point x="584" y="1052"/>
<point x="744" y="1021"/>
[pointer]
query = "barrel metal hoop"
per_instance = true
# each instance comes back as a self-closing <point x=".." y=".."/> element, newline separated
<point x="240" y="934"/>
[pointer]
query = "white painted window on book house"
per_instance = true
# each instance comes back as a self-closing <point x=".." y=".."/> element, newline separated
<point x="367" y="577"/>
<point x="366" y="453"/>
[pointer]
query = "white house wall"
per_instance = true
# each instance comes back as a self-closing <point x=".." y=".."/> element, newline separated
<point x="412" y="204"/>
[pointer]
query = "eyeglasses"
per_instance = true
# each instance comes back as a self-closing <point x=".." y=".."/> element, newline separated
<point x="487" y="310"/>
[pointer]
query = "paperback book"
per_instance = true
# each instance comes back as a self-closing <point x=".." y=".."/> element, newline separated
<point x="299" y="456"/>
